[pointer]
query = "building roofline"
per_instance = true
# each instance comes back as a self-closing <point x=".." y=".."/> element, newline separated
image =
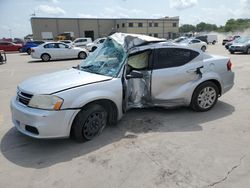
<point x="63" y="18"/>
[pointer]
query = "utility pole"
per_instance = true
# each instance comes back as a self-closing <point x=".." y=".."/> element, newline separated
<point x="10" y="33"/>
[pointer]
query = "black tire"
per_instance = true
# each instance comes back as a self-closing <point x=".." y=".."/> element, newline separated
<point x="45" y="57"/>
<point x="231" y="52"/>
<point x="203" y="48"/>
<point x="82" y="55"/>
<point x="20" y="50"/>
<point x="248" y="51"/>
<point x="29" y="51"/>
<point x="89" y="122"/>
<point x="93" y="48"/>
<point x="201" y="101"/>
<point x="214" y="42"/>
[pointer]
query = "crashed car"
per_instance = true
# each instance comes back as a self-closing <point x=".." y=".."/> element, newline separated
<point x="127" y="71"/>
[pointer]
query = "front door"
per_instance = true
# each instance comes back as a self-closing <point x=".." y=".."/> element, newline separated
<point x="137" y="90"/>
<point x="174" y="69"/>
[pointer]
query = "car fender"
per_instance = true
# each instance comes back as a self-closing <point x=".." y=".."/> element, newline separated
<point x="193" y="85"/>
<point x="93" y="96"/>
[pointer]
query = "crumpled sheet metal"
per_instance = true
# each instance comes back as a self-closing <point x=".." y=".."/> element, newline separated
<point x="129" y="41"/>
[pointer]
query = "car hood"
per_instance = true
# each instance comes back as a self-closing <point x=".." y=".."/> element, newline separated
<point x="61" y="80"/>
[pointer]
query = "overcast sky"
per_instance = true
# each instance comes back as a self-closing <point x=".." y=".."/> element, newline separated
<point x="15" y="14"/>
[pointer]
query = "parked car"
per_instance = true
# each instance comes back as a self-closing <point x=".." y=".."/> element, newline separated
<point x="94" y="45"/>
<point x="10" y="46"/>
<point x="127" y="71"/>
<point x="242" y="45"/>
<point x="209" y="39"/>
<point x="82" y="42"/>
<point x="228" y="44"/>
<point x="28" y="45"/>
<point x="194" y="43"/>
<point x="229" y="39"/>
<point x="57" y="50"/>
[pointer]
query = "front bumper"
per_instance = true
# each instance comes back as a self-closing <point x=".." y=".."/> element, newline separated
<point x="49" y="124"/>
<point x="237" y="49"/>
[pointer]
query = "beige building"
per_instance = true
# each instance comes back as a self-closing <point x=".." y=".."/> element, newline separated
<point x="49" y="28"/>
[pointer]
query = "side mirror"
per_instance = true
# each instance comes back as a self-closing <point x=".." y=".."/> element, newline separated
<point x="134" y="74"/>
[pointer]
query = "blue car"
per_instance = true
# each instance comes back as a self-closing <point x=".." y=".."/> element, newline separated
<point x="28" y="45"/>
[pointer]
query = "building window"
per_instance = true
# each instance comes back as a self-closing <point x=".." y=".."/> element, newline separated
<point x="156" y="35"/>
<point x="140" y="24"/>
<point x="150" y="24"/>
<point x="155" y="24"/>
<point x="123" y="24"/>
<point x="174" y="24"/>
<point x="117" y="26"/>
<point x="131" y="24"/>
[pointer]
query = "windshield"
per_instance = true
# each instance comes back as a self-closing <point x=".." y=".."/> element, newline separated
<point x="243" y="39"/>
<point x="185" y="41"/>
<point x="106" y="60"/>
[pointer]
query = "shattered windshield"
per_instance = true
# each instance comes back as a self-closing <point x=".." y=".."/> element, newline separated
<point x="106" y="60"/>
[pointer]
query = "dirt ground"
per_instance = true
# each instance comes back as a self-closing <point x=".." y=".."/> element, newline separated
<point x="148" y="148"/>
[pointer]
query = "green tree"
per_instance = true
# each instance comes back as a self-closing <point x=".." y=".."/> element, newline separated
<point x="186" y="28"/>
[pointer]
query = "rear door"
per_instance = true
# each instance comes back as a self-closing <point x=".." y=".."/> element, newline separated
<point x="174" y="69"/>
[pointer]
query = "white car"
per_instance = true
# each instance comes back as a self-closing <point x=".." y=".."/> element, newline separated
<point x="127" y="71"/>
<point x="81" y="42"/>
<point x="93" y="45"/>
<point x="57" y="50"/>
<point x="195" y="44"/>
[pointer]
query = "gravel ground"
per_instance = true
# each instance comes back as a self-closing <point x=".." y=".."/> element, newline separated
<point x="148" y="148"/>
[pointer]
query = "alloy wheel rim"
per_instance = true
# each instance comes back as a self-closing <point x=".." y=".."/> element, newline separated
<point x="46" y="57"/>
<point x="94" y="123"/>
<point x="206" y="97"/>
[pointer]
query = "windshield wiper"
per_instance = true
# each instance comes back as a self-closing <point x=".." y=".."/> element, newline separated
<point x="86" y="67"/>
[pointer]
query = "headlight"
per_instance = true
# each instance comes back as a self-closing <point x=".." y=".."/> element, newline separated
<point x="46" y="102"/>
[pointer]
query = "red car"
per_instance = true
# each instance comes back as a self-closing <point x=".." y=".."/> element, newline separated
<point x="9" y="46"/>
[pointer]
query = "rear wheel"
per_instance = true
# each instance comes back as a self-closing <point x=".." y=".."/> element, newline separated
<point x="203" y="48"/>
<point x="20" y="50"/>
<point x="231" y="52"/>
<point x="29" y="51"/>
<point x="204" y="97"/>
<point x="214" y="42"/>
<point x="89" y="122"/>
<point x="82" y="55"/>
<point x="45" y="57"/>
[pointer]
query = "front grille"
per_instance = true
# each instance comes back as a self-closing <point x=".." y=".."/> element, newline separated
<point x="24" y="98"/>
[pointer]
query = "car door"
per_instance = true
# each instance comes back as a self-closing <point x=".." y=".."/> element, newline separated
<point x="64" y="51"/>
<point x="174" y="69"/>
<point x="52" y="50"/>
<point x="196" y="44"/>
<point x="137" y="81"/>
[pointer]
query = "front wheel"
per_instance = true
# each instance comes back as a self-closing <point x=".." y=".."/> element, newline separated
<point x="89" y="122"/>
<point x="204" y="97"/>
<point x="82" y="55"/>
<point x="248" y="51"/>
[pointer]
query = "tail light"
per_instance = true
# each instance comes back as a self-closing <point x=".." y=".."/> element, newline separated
<point x="32" y="50"/>
<point x="229" y="65"/>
